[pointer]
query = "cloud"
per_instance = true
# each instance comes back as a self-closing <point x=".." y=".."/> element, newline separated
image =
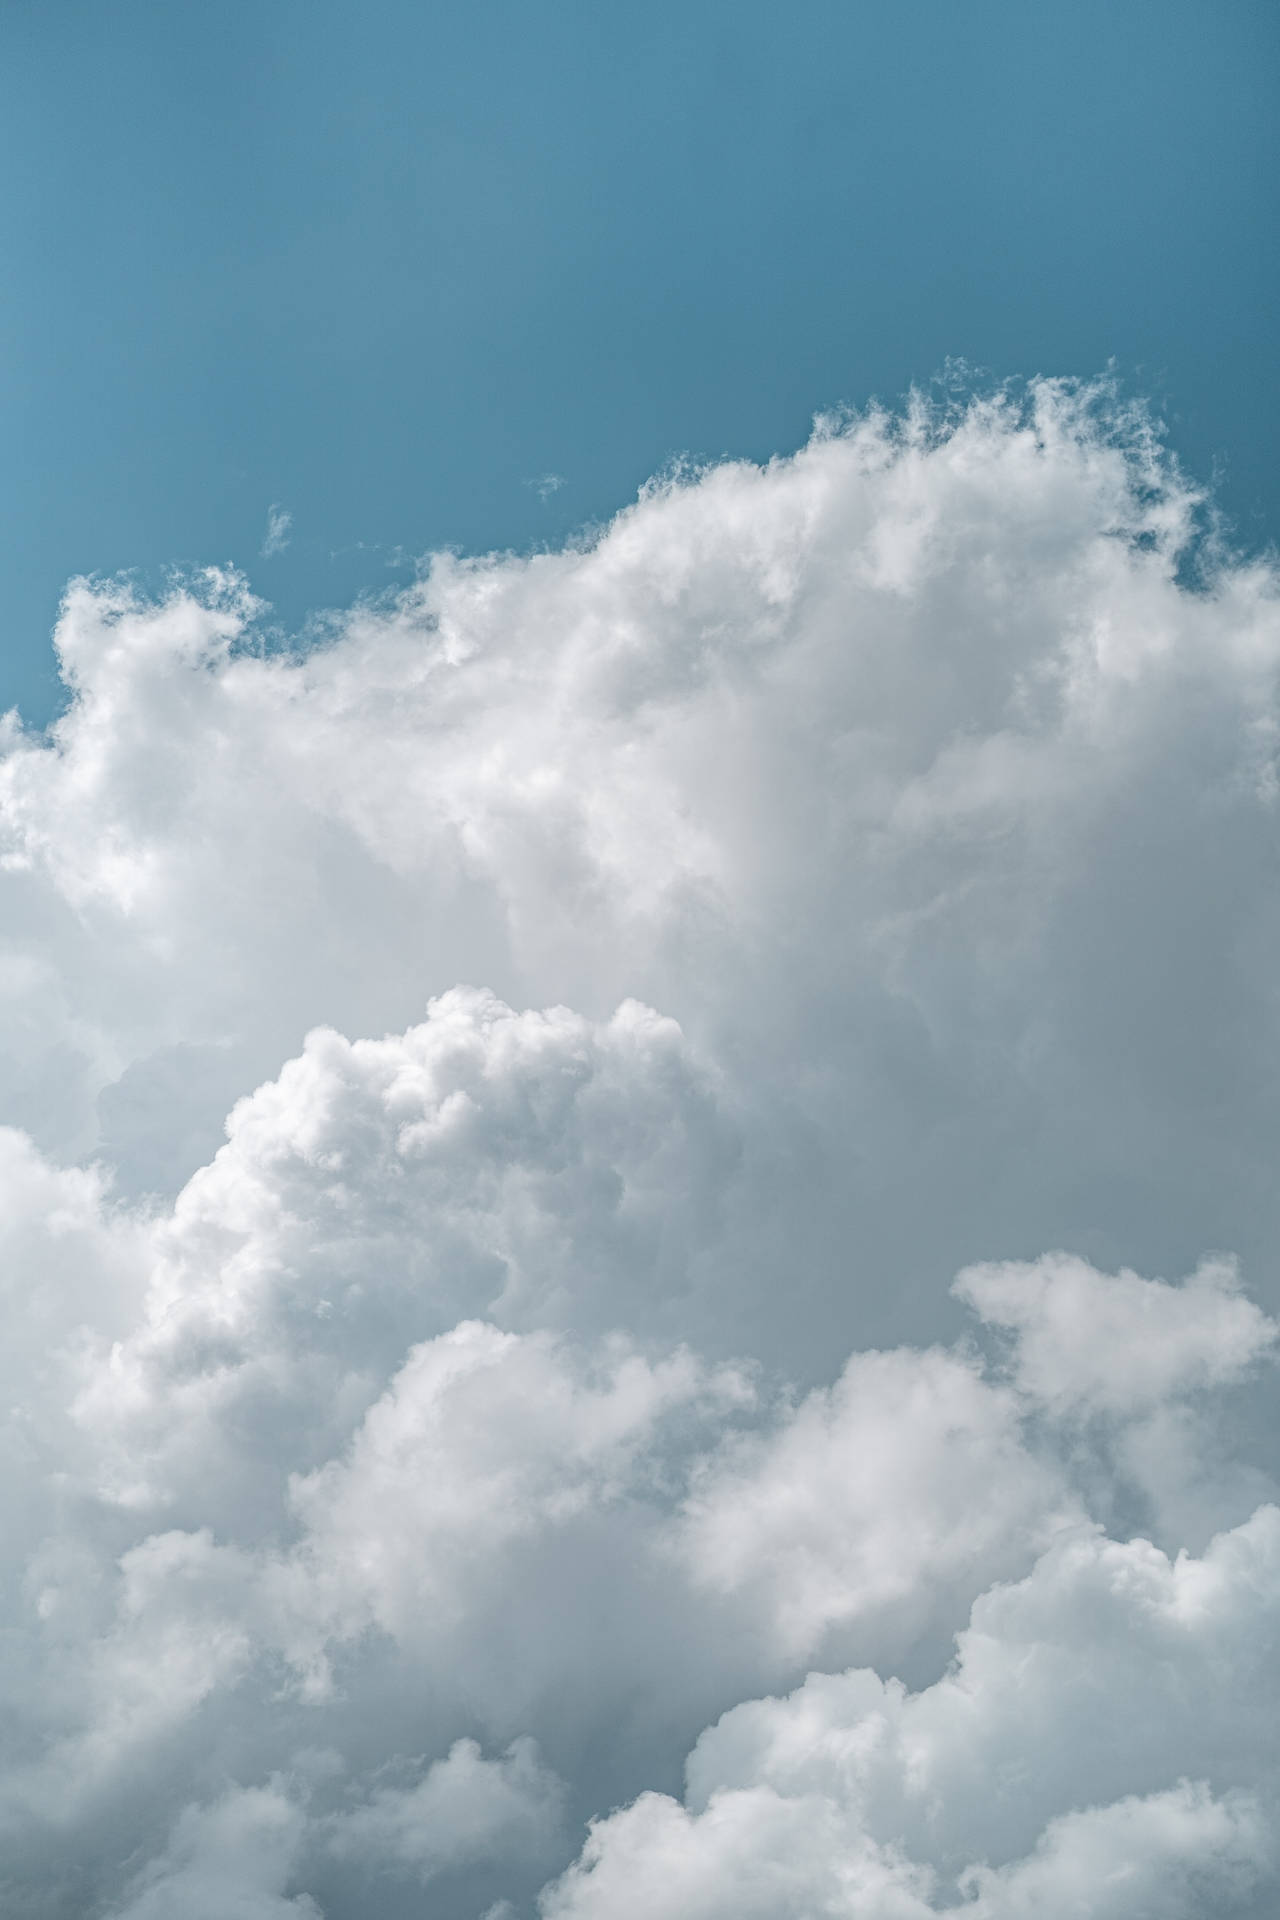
<point x="228" y="1861"/>
<point x="276" y="538"/>
<point x="904" y="774"/>
<point x="532" y="1137"/>
<point x="464" y="1809"/>
<point x="535" y="1538"/>
<point x="908" y="1476"/>
<point x="1085" y="1342"/>
<point x="1053" y="1770"/>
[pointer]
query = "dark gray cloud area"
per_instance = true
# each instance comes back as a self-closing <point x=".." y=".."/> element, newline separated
<point x="639" y="1217"/>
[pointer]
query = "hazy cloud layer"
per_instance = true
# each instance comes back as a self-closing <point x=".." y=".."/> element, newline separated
<point x="536" y="1138"/>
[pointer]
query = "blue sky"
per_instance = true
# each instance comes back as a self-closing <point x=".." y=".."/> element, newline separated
<point x="389" y="266"/>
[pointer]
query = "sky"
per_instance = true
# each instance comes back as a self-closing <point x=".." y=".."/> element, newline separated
<point x="396" y="270"/>
<point x="639" y="1054"/>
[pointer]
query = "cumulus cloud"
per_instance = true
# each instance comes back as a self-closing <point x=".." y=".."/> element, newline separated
<point x="1117" y="1343"/>
<point x="536" y="1168"/>
<point x="1053" y="1770"/>
<point x="874" y="1503"/>
<point x="905" y="774"/>
<point x="533" y="1135"/>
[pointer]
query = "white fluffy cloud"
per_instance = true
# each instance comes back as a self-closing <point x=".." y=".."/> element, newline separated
<point x="533" y="1168"/>
<point x="1112" y="1344"/>
<point x="494" y="1108"/>
<point x="1104" y="1744"/>
<point x="877" y="1501"/>
<point x="905" y="774"/>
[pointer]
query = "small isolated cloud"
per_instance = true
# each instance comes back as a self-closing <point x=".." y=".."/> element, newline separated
<point x="546" y="485"/>
<point x="276" y="538"/>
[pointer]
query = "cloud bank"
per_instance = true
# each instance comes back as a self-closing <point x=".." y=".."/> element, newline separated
<point x="639" y="1215"/>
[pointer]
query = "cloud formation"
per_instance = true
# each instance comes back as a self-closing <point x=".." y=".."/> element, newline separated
<point x="540" y="1375"/>
<point x="1053" y="1770"/>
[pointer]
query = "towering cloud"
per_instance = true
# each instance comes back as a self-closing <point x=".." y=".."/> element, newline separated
<point x="537" y="1132"/>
